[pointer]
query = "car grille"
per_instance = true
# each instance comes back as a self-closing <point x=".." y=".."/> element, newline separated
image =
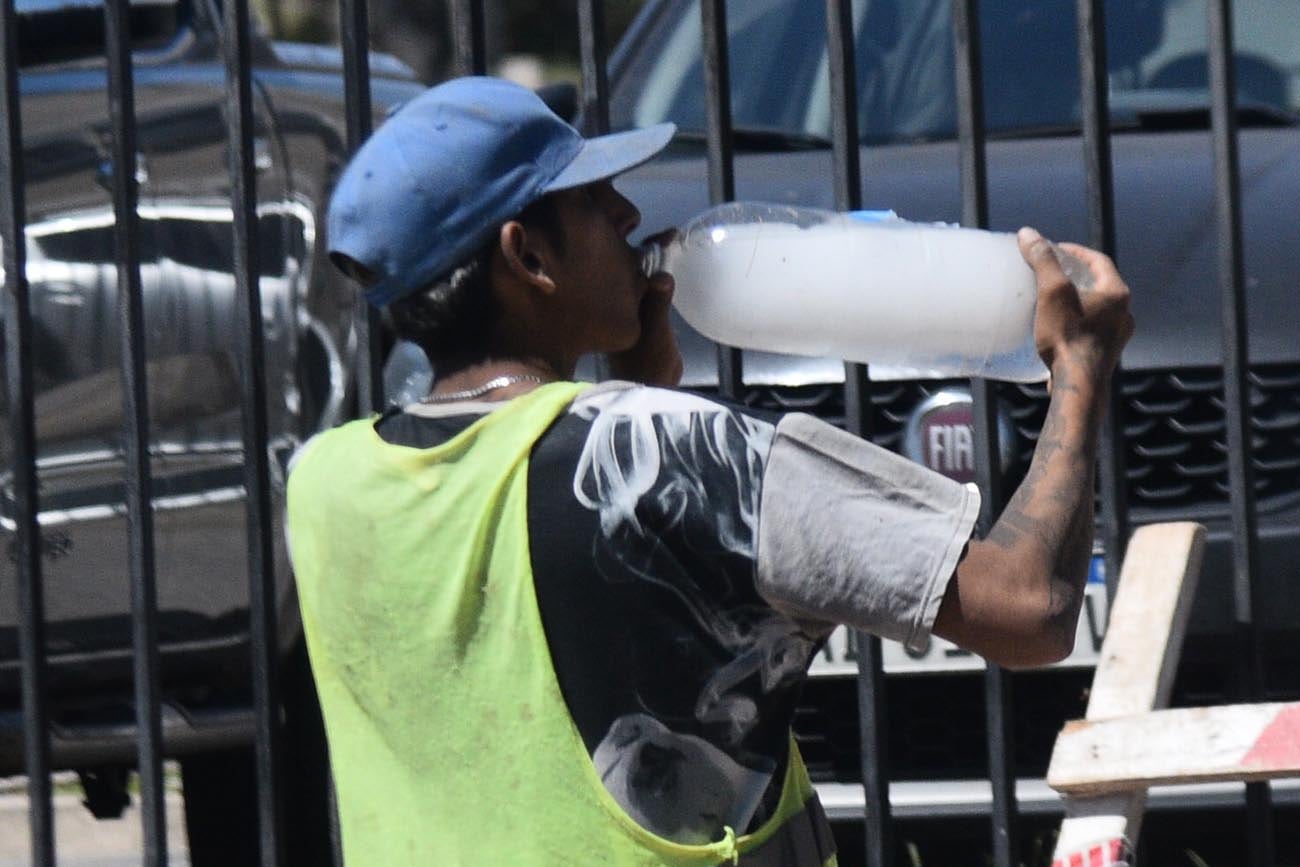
<point x="1174" y="426"/>
<point x="935" y="726"/>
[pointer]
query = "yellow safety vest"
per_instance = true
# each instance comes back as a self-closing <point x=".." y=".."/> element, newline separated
<point x="449" y="739"/>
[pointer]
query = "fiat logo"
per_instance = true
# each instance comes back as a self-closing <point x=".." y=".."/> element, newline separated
<point x="940" y="434"/>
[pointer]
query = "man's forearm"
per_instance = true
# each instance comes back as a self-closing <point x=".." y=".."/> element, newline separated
<point x="1016" y="595"/>
<point x="1049" y="519"/>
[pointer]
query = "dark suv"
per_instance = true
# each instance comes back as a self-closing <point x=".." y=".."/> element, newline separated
<point x="1174" y="441"/>
<point x="194" y="405"/>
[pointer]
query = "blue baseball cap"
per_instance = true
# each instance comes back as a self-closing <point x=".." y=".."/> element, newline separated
<point x="439" y="177"/>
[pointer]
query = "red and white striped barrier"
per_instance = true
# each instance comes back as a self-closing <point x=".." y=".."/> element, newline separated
<point x="1188" y="745"/>
<point x="1104" y="764"/>
<point x="1112" y="853"/>
<point x="1135" y="675"/>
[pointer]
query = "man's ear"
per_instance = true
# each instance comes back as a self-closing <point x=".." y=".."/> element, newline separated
<point x="526" y="256"/>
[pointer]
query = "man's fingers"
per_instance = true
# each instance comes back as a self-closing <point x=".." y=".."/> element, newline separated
<point x="1101" y="313"/>
<point x="1035" y="248"/>
<point x="655" y="358"/>
<point x="1058" y="305"/>
<point x="1087" y="254"/>
<point x="1113" y="292"/>
<point x="662" y="284"/>
<point x="1102" y="266"/>
<point x="1054" y="286"/>
<point x="659" y="299"/>
<point x="1038" y="252"/>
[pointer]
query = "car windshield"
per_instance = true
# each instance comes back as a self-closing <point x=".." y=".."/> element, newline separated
<point x="780" y="81"/>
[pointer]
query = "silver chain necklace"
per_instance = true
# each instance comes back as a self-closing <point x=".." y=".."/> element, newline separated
<point x="480" y="390"/>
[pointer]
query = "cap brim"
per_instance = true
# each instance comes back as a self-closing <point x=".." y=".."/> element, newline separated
<point x="608" y="155"/>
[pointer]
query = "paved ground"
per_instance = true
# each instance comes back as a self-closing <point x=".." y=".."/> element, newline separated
<point x="80" y="839"/>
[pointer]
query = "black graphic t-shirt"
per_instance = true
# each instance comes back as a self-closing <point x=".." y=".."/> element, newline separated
<point x="678" y="629"/>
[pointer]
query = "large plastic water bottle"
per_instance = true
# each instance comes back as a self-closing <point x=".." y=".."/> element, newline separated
<point x="913" y="300"/>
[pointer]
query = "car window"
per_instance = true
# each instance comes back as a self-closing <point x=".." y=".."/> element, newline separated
<point x="764" y="94"/>
<point x="1267" y="36"/>
<point x="53" y="31"/>
<point x="779" y="76"/>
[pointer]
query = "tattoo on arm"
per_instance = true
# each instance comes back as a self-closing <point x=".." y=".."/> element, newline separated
<point x="1052" y="509"/>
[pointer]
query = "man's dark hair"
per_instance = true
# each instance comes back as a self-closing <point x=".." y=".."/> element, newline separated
<point x="452" y="319"/>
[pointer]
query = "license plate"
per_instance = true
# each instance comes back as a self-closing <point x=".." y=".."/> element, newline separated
<point x="840" y="656"/>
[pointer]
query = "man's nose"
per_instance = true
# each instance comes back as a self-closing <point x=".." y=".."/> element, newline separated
<point x="627" y="216"/>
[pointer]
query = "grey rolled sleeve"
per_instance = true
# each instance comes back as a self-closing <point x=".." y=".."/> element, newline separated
<point x="852" y="533"/>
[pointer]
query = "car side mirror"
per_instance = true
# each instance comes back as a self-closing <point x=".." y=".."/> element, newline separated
<point x="55" y="31"/>
<point x="561" y="98"/>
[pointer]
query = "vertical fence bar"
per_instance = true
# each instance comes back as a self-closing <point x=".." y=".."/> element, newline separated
<point x="22" y="434"/>
<point x="1100" y="194"/>
<point x="722" y="174"/>
<point x="1236" y="394"/>
<point x="842" y="65"/>
<point x="257" y="479"/>
<point x="970" y="114"/>
<point x="592" y="56"/>
<point x="354" y="34"/>
<point x="1000" y="721"/>
<point x="1095" y="117"/>
<point x="135" y="414"/>
<point x="717" y="94"/>
<point x="592" y="51"/>
<point x="469" y="30"/>
<point x="354" y="38"/>
<point x="873" y="719"/>
<point x="873" y="716"/>
<point x="998" y="711"/>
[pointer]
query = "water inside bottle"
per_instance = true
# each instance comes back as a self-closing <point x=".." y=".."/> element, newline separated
<point x="895" y="295"/>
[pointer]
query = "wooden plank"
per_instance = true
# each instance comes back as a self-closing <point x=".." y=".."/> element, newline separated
<point x="1135" y="673"/>
<point x="1188" y="745"/>
<point x="1148" y="619"/>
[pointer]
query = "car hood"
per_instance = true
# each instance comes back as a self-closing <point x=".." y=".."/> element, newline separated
<point x="1167" y="240"/>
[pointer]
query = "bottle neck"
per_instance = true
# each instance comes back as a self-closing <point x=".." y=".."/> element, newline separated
<point x="652" y="258"/>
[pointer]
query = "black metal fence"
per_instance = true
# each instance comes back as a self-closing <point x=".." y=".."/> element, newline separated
<point x="468" y="22"/>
